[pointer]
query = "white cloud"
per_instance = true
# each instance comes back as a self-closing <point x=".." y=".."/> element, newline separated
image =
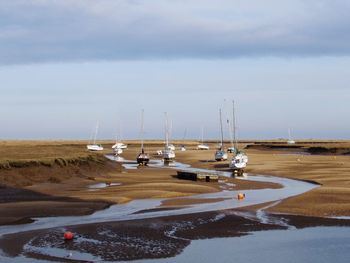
<point x="85" y="30"/>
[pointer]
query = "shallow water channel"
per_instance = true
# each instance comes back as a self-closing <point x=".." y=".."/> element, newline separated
<point x="131" y="210"/>
<point x="316" y="245"/>
<point x="198" y="251"/>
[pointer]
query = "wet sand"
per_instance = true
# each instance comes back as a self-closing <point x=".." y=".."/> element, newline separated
<point x="32" y="193"/>
<point x="71" y="183"/>
<point x="330" y="171"/>
<point x="68" y="187"/>
<point x="165" y="236"/>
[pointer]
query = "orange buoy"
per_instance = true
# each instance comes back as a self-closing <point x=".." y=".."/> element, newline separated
<point x="68" y="235"/>
<point x="240" y="196"/>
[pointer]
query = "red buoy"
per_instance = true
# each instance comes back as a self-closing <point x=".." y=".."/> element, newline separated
<point x="68" y="235"/>
<point x="240" y="196"/>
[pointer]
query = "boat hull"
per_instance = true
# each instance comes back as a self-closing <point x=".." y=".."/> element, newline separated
<point x="94" y="147"/>
<point x="239" y="161"/>
<point x="220" y="156"/>
<point x="168" y="155"/>
<point x="117" y="151"/>
<point x="203" y="147"/>
<point x="142" y="159"/>
<point x="119" y="146"/>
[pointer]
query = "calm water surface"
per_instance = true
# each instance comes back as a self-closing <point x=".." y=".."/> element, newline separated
<point x="317" y="244"/>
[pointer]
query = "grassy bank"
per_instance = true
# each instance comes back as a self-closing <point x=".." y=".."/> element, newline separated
<point x="24" y="163"/>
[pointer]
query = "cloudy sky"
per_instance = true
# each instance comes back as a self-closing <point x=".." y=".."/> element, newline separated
<point x="66" y="64"/>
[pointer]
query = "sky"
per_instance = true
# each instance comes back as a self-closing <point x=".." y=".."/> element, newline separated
<point x="66" y="65"/>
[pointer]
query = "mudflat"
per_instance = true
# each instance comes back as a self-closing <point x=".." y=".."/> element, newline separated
<point x="54" y="178"/>
<point x="50" y="178"/>
<point x="330" y="171"/>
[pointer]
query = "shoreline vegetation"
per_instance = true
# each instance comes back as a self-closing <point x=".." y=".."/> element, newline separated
<point x="52" y="178"/>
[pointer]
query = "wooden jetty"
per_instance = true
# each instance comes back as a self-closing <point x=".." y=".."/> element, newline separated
<point x="204" y="177"/>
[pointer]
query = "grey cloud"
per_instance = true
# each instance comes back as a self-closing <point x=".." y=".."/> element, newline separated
<point x="33" y="31"/>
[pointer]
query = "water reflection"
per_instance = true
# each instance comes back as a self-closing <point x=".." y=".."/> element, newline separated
<point x="317" y="245"/>
<point x="98" y="186"/>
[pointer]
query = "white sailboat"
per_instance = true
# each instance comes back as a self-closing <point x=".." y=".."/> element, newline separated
<point x="142" y="158"/>
<point x="183" y="148"/>
<point x="290" y="140"/>
<point x="117" y="151"/>
<point x="94" y="146"/>
<point x="171" y="146"/>
<point x="168" y="152"/>
<point x="240" y="159"/>
<point x="230" y="149"/>
<point x="118" y="147"/>
<point x="202" y="146"/>
<point x="220" y="154"/>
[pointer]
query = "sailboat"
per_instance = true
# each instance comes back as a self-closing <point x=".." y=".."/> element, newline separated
<point x="142" y="158"/>
<point x="118" y="147"/>
<point x="168" y="153"/>
<point x="94" y="146"/>
<point x="290" y="140"/>
<point x="171" y="146"/>
<point x="183" y="148"/>
<point x="117" y="151"/>
<point x="232" y="148"/>
<point x="202" y="146"/>
<point x="220" y="154"/>
<point x="240" y="159"/>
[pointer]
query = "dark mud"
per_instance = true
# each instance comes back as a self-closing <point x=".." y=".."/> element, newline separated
<point x="146" y="238"/>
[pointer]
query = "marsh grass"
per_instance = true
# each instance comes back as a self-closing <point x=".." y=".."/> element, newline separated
<point x="20" y="154"/>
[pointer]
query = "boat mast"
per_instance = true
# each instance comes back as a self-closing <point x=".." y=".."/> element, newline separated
<point x="289" y="136"/>
<point x="91" y="136"/>
<point x="142" y="127"/>
<point x="229" y="124"/>
<point x="117" y="136"/>
<point x="166" y="130"/>
<point x="95" y="135"/>
<point x="120" y="131"/>
<point x="202" y="135"/>
<point x="234" y="124"/>
<point x="222" y="133"/>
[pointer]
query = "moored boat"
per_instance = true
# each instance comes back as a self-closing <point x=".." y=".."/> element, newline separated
<point x="142" y="158"/>
<point x="220" y="154"/>
<point x="94" y="146"/>
<point x="168" y="153"/>
<point x="240" y="159"/>
<point x="202" y="146"/>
